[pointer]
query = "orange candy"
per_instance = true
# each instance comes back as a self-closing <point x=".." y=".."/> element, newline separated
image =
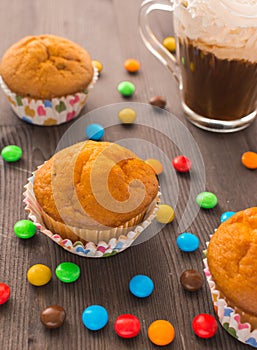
<point x="132" y="65"/>
<point x="249" y="160"/>
<point x="161" y="332"/>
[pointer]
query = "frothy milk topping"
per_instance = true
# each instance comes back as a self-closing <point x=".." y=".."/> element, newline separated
<point x="227" y="28"/>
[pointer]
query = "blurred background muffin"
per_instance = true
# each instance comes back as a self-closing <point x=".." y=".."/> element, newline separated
<point x="46" y="78"/>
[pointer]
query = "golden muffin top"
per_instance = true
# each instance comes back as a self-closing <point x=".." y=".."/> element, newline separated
<point x="46" y="66"/>
<point x="231" y="257"/>
<point x="95" y="183"/>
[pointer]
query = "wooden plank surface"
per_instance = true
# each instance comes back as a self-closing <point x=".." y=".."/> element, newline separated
<point x="109" y="30"/>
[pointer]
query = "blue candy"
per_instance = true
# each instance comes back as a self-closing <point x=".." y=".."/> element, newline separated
<point x="188" y="242"/>
<point x="226" y="215"/>
<point x="95" y="317"/>
<point x="141" y="286"/>
<point x="94" y="132"/>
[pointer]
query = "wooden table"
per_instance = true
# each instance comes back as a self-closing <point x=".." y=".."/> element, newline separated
<point x="109" y="31"/>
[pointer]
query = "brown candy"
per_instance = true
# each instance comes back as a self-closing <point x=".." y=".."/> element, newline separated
<point x="158" y="101"/>
<point x="191" y="280"/>
<point x="53" y="316"/>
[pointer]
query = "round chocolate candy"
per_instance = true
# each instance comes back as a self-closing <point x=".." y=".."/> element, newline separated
<point x="95" y="317"/>
<point x="182" y="164"/>
<point x="39" y="275"/>
<point x="158" y="101"/>
<point x="249" y="160"/>
<point x="53" y="316"/>
<point x="25" y="229"/>
<point x="225" y="216"/>
<point x="127" y="326"/>
<point x="191" y="280"/>
<point x="67" y="272"/>
<point x="11" y="153"/>
<point x="165" y="214"/>
<point x="161" y="332"/>
<point x="5" y="292"/>
<point x="205" y="325"/>
<point x="141" y="286"/>
<point x="155" y="164"/>
<point x="206" y="200"/>
<point x="98" y="65"/>
<point x="94" y="132"/>
<point x="132" y="65"/>
<point x="169" y="43"/>
<point x="127" y="115"/>
<point x="126" y="88"/>
<point x="187" y="242"/>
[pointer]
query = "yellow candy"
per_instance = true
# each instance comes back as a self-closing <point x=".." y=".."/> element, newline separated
<point x="39" y="275"/>
<point x="165" y="214"/>
<point x="98" y="65"/>
<point x="169" y="43"/>
<point x="155" y="164"/>
<point x="127" y="115"/>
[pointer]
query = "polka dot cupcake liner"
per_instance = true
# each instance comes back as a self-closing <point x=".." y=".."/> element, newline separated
<point x="103" y="248"/>
<point x="228" y="317"/>
<point x="48" y="112"/>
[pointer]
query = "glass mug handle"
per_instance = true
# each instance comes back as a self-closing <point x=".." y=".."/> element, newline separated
<point x="150" y="40"/>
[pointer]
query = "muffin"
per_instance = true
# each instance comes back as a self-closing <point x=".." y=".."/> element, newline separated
<point x="231" y="271"/>
<point x="95" y="191"/>
<point x="46" y="78"/>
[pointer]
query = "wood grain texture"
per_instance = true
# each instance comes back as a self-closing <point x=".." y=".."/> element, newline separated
<point x="109" y="30"/>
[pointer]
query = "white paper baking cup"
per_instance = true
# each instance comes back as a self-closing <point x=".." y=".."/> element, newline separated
<point x="102" y="248"/>
<point x="56" y="111"/>
<point x="229" y="319"/>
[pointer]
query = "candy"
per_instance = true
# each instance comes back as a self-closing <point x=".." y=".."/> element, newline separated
<point x="182" y="164"/>
<point x="141" y="286"/>
<point x="204" y="325"/>
<point x="249" y="160"/>
<point x="53" y="316"/>
<point x="5" y="292"/>
<point x="158" y="101"/>
<point x="126" y="88"/>
<point x="191" y="280"/>
<point x="206" y="200"/>
<point x="169" y="43"/>
<point x="225" y="216"/>
<point x="161" y="332"/>
<point x="98" y="65"/>
<point x="94" y="132"/>
<point x="25" y="229"/>
<point x="132" y="65"/>
<point x="165" y="214"/>
<point x="155" y="164"/>
<point x="187" y="242"/>
<point x="127" y="115"/>
<point x="67" y="272"/>
<point x="39" y="275"/>
<point x="11" y="153"/>
<point x="127" y="326"/>
<point x="95" y="317"/>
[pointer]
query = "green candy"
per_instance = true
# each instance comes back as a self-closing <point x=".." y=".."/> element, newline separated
<point x="206" y="200"/>
<point x="25" y="229"/>
<point x="11" y="153"/>
<point x="126" y="88"/>
<point x="67" y="272"/>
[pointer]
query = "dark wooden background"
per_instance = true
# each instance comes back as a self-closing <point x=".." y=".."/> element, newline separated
<point x="108" y="29"/>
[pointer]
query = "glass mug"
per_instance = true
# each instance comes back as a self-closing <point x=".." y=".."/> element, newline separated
<point x="216" y="59"/>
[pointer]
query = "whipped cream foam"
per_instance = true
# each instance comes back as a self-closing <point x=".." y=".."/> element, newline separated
<point x="226" y="28"/>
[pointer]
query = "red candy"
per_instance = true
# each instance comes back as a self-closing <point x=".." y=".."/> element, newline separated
<point x="182" y="164"/>
<point x="4" y="293"/>
<point x="127" y="326"/>
<point x="204" y="325"/>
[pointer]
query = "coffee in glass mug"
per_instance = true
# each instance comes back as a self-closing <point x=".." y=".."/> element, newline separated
<point x="216" y="59"/>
